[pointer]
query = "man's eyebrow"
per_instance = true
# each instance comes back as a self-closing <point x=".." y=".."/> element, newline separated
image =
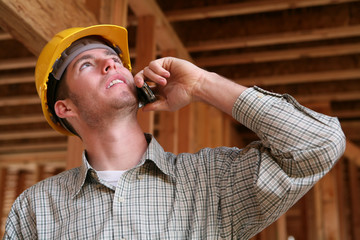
<point x="85" y="57"/>
<point x="110" y="53"/>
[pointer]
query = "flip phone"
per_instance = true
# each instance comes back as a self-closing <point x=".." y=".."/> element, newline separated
<point x="145" y="95"/>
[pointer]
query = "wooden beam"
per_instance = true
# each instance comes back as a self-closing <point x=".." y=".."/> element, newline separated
<point x="281" y="230"/>
<point x="17" y="63"/>
<point x="352" y="152"/>
<point x="74" y="152"/>
<point x="331" y="211"/>
<point x="243" y="8"/>
<point x="33" y="23"/>
<point x="318" y="213"/>
<point x="33" y="147"/>
<point x="168" y="131"/>
<point x="146" y="49"/>
<point x="5" y="36"/>
<point x="336" y="75"/>
<point x="167" y="127"/>
<point x="279" y="55"/>
<point x="275" y="38"/>
<point x="166" y="37"/>
<point x="114" y="12"/>
<point x="21" y="181"/>
<point x="31" y="166"/>
<point x="39" y="173"/>
<point x="347" y="113"/>
<point x="339" y="96"/>
<point x="36" y="157"/>
<point x="17" y="119"/>
<point x="19" y="100"/>
<point x="16" y="79"/>
<point x="29" y="134"/>
<point x="344" y="207"/>
<point x="3" y="184"/>
<point x="354" y="200"/>
<point x="186" y="134"/>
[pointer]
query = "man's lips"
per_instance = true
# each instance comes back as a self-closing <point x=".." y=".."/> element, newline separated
<point x="115" y="79"/>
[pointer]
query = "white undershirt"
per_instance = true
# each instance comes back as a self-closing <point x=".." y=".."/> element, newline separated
<point x="111" y="177"/>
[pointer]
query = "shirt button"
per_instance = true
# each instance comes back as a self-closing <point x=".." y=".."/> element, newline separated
<point x="121" y="199"/>
<point x="140" y="177"/>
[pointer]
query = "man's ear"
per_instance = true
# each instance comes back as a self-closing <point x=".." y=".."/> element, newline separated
<point x="64" y="108"/>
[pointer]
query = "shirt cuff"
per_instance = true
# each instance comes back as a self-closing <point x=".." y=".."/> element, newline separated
<point x="251" y="106"/>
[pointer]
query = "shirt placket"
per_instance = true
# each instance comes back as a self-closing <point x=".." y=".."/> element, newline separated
<point x="122" y="228"/>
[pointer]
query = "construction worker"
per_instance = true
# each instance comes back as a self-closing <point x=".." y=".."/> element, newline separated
<point x="127" y="186"/>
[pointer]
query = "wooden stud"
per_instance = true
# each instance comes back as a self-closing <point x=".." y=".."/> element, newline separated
<point x="354" y="200"/>
<point x="168" y="126"/>
<point x="343" y="206"/>
<point x="185" y="126"/>
<point x="166" y="37"/>
<point x="74" y="152"/>
<point x="330" y="213"/>
<point x="145" y="50"/>
<point x="3" y="183"/>
<point x="281" y="228"/>
<point x="352" y="152"/>
<point x="114" y="12"/>
<point x="318" y="213"/>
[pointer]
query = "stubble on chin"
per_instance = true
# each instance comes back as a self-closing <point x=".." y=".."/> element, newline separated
<point x="98" y="116"/>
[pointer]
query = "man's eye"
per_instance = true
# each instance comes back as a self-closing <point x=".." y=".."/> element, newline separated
<point x="118" y="60"/>
<point x="84" y="65"/>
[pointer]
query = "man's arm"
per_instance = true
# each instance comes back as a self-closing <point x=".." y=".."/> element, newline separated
<point x="298" y="146"/>
<point x="179" y="82"/>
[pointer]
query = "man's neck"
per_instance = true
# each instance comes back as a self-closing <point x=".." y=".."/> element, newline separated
<point x="116" y="147"/>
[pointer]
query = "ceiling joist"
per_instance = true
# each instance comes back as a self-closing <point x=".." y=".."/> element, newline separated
<point x="338" y="75"/>
<point x="29" y="134"/>
<point x="274" y="39"/>
<point x="279" y="55"/>
<point x="17" y="63"/>
<point x="243" y="8"/>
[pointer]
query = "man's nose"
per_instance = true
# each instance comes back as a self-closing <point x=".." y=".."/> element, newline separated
<point x="109" y="64"/>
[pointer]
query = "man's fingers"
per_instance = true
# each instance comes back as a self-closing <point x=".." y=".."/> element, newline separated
<point x="139" y="79"/>
<point x="158" y="68"/>
<point x="158" y="105"/>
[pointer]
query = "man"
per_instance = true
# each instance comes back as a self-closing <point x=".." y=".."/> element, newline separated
<point x="128" y="187"/>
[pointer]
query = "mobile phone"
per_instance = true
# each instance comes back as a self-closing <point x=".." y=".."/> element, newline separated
<point x="145" y="95"/>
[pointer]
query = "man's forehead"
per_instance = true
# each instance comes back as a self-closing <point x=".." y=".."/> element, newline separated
<point x="92" y="54"/>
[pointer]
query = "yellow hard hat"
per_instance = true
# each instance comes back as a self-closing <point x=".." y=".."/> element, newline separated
<point x="116" y="38"/>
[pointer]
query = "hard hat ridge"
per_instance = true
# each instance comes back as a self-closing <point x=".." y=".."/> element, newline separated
<point x="76" y="48"/>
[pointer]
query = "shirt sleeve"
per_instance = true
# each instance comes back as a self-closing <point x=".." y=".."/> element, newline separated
<point x="298" y="146"/>
<point x="20" y="223"/>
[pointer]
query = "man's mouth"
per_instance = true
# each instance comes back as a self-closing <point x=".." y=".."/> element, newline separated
<point x="113" y="82"/>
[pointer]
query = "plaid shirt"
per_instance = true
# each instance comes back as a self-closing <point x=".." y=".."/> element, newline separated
<point x="220" y="193"/>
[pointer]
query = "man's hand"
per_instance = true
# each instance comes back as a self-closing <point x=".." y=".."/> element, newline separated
<point x="176" y="82"/>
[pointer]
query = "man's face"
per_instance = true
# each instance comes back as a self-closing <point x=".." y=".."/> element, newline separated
<point x="100" y="85"/>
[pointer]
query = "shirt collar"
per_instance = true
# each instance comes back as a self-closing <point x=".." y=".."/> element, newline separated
<point x="163" y="160"/>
